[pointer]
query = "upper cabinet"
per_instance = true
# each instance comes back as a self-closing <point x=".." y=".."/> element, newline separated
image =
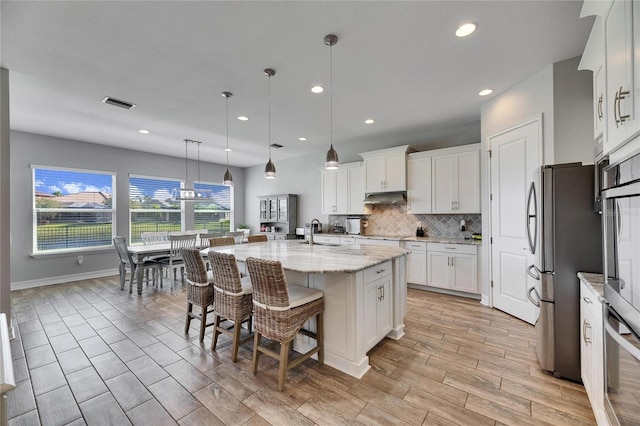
<point x="385" y="170"/>
<point x="455" y="179"/>
<point x="342" y="190"/>
<point x="613" y="54"/>
<point x="419" y="183"/>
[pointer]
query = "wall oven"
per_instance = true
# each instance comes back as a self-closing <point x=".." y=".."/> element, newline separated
<point x="621" y="226"/>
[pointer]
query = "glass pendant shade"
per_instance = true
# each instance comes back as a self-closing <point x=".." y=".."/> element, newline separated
<point x="270" y="170"/>
<point x="191" y="194"/>
<point x="332" y="162"/>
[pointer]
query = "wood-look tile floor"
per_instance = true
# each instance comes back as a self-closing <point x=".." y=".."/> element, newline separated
<point x="88" y="353"/>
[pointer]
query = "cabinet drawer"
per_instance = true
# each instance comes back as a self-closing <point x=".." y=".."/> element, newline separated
<point x="590" y="301"/>
<point x="325" y="239"/>
<point x="347" y="240"/>
<point x="415" y="246"/>
<point x="453" y="248"/>
<point x="378" y="271"/>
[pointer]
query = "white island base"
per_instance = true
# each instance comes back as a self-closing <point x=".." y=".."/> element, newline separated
<point x="361" y="309"/>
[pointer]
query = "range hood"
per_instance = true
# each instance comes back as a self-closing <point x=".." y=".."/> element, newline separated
<point x="386" y="198"/>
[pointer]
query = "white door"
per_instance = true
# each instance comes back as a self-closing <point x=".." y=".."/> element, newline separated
<point x="468" y="175"/>
<point x="342" y="191"/>
<point x="442" y="176"/>
<point x="329" y="192"/>
<point x="515" y="156"/>
<point x="395" y="172"/>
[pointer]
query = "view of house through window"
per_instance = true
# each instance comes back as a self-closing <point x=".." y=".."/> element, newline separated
<point x="151" y="208"/>
<point x="215" y="214"/>
<point x="72" y="209"/>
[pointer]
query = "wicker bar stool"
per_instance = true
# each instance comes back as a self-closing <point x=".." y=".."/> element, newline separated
<point x="279" y="312"/>
<point x="199" y="289"/>
<point x="257" y="238"/>
<point x="221" y="241"/>
<point x="232" y="300"/>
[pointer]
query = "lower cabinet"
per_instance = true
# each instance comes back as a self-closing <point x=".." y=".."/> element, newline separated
<point x="592" y="349"/>
<point x="452" y="266"/>
<point x="378" y="309"/>
<point x="416" y="262"/>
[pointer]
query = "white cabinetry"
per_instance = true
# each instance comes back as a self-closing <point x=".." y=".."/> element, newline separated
<point x="377" y="304"/>
<point x="594" y="59"/>
<point x="419" y="183"/>
<point x="342" y="191"/>
<point x="456" y="182"/>
<point x="385" y="170"/>
<point x="416" y="262"/>
<point x="377" y="242"/>
<point x="452" y="266"/>
<point x="592" y="349"/>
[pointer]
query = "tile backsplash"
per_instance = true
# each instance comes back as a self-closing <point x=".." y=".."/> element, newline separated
<point x="393" y="220"/>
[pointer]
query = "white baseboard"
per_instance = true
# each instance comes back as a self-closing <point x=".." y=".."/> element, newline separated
<point x="485" y="300"/>
<point x="63" y="279"/>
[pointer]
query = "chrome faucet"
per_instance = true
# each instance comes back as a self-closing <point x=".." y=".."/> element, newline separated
<point x="311" y="230"/>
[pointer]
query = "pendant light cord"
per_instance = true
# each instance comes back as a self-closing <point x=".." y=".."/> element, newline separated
<point x="186" y="162"/>
<point x="331" y="95"/>
<point x="227" y="111"/>
<point x="194" y="184"/>
<point x="269" y="98"/>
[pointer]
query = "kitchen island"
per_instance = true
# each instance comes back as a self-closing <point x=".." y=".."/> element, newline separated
<point x="365" y="291"/>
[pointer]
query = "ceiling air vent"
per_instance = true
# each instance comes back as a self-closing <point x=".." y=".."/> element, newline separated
<point x="117" y="102"/>
<point x="275" y="145"/>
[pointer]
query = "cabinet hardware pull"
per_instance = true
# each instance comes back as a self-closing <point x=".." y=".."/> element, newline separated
<point x="622" y="95"/>
<point x="379" y="271"/>
<point x="585" y="326"/>
<point x="450" y="248"/>
<point x="382" y="287"/>
<point x="599" y="109"/>
<point x="587" y="300"/>
<point x="615" y="109"/>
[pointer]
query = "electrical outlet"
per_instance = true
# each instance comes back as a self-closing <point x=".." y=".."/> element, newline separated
<point x="463" y="226"/>
<point x="80" y="260"/>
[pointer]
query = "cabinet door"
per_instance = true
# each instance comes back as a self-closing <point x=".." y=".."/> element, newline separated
<point x="356" y="190"/>
<point x="467" y="182"/>
<point x="283" y="209"/>
<point x="441" y="180"/>
<point x="586" y="344"/>
<point x="419" y="186"/>
<point x="619" y="48"/>
<point x="395" y="178"/>
<point x="342" y="191"/>
<point x="370" y="326"/>
<point x="438" y="269"/>
<point x="374" y="169"/>
<point x="464" y="273"/>
<point x="273" y="209"/>
<point x="599" y="104"/>
<point x="264" y="209"/>
<point x="329" y="192"/>
<point x="385" y="307"/>
<point x="417" y="267"/>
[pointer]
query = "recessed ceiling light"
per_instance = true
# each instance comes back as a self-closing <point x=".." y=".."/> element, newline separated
<point x="243" y="118"/>
<point x="485" y="92"/>
<point x="317" y="89"/>
<point x="144" y="132"/>
<point x="302" y="139"/>
<point x="466" y="29"/>
<point x="228" y="149"/>
<point x="369" y="121"/>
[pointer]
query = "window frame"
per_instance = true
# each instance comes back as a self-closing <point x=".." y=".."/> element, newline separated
<point x="231" y="211"/>
<point x="35" y="210"/>
<point x="182" y="209"/>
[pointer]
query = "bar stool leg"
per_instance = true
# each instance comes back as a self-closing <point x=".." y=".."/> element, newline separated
<point x="256" y="352"/>
<point x="187" y="323"/>
<point x="284" y="360"/>
<point x="320" y="337"/>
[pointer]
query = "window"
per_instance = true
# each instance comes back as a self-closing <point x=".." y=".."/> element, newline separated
<point x="151" y="208"/>
<point x="72" y="209"/>
<point x="217" y="214"/>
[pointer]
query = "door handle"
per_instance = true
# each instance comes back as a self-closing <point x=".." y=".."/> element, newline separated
<point x="615" y="109"/>
<point x="530" y="198"/>
<point x="621" y="96"/>
<point x="531" y="299"/>
<point x="535" y="277"/>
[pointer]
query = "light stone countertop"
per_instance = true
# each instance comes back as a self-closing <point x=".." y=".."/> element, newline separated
<point x="297" y="256"/>
<point x="411" y="238"/>
<point x="595" y="282"/>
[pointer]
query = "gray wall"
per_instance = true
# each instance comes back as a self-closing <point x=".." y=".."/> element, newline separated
<point x="5" y="194"/>
<point x="28" y="149"/>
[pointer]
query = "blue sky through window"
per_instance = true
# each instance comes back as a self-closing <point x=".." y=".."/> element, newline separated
<point x="67" y="182"/>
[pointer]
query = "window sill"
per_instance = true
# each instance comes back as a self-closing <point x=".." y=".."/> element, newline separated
<point x="71" y="252"/>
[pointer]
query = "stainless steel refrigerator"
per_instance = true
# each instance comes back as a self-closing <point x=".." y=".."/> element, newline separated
<point x="565" y="237"/>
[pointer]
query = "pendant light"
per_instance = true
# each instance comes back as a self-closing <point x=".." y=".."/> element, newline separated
<point x="227" y="180"/>
<point x="332" y="160"/>
<point x="270" y="169"/>
<point x="191" y="194"/>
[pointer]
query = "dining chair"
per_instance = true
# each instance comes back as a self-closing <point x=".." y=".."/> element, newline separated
<point x="257" y="238"/>
<point x="221" y="241"/>
<point x="238" y="236"/>
<point x="205" y="236"/>
<point x="127" y="264"/>
<point x="231" y="302"/>
<point x="174" y="261"/>
<point x="279" y="313"/>
<point x="199" y="289"/>
<point x="154" y="237"/>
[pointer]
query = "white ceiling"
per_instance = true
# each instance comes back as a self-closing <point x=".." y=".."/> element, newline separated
<point x="398" y="62"/>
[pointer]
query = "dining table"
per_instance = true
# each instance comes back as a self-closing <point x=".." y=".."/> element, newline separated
<point x="142" y="253"/>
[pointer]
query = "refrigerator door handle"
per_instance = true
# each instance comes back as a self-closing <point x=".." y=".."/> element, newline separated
<point x="534" y="216"/>
<point x="531" y="299"/>
<point x="530" y="273"/>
